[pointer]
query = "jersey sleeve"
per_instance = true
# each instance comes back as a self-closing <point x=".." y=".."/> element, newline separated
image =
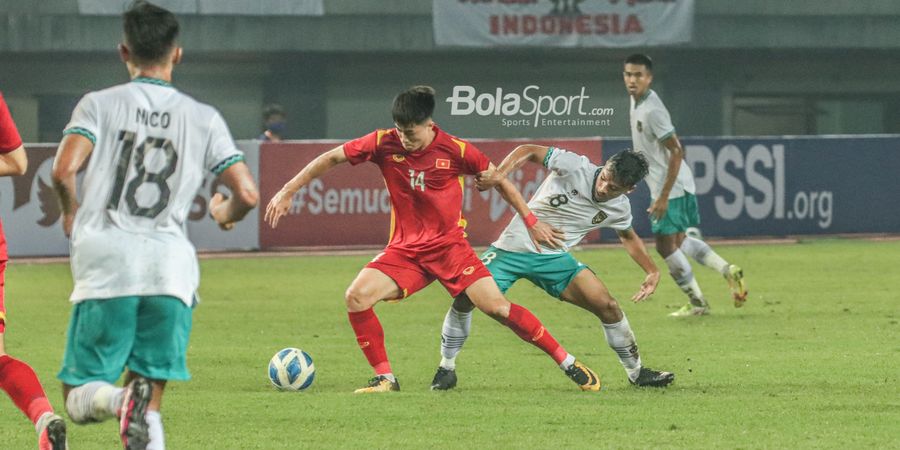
<point x="564" y="162"/>
<point x="85" y="119"/>
<point x="9" y="135"/>
<point x="473" y="159"/>
<point x="221" y="152"/>
<point x="362" y="149"/>
<point x="660" y="124"/>
<point x="622" y="222"/>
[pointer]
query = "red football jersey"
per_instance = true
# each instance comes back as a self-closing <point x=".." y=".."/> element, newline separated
<point x="426" y="186"/>
<point x="9" y="141"/>
<point x="9" y="135"/>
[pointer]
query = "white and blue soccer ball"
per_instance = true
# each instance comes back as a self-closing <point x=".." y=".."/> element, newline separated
<point x="291" y="369"/>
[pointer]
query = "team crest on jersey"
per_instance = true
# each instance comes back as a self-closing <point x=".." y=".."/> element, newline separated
<point x="599" y="218"/>
<point x="442" y="163"/>
<point x="640" y="127"/>
<point x="398" y="158"/>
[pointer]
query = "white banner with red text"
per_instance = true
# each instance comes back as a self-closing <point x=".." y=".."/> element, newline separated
<point x="562" y="23"/>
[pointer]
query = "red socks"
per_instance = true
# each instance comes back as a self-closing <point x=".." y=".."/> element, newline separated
<point x="529" y="328"/>
<point x="370" y="337"/>
<point x="21" y="383"/>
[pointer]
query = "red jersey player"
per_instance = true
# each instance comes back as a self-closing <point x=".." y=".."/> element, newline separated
<point x="16" y="377"/>
<point x="421" y="165"/>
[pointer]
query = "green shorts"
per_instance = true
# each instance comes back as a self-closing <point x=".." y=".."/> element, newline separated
<point x="681" y="215"/>
<point x="550" y="272"/>
<point x="149" y="335"/>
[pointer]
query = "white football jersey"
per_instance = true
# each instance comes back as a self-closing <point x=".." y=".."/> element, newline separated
<point x="152" y="147"/>
<point x="565" y="200"/>
<point x="650" y="125"/>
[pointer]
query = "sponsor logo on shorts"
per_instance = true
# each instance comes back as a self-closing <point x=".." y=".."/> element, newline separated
<point x="469" y="270"/>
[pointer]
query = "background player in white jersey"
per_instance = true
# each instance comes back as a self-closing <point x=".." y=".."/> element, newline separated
<point x="135" y="272"/>
<point x="576" y="197"/>
<point x="673" y="206"/>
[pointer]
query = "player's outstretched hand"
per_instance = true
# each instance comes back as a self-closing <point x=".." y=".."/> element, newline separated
<point x="215" y="203"/>
<point x="658" y="209"/>
<point x="545" y="234"/>
<point x="648" y="287"/>
<point x="278" y="207"/>
<point x="488" y="179"/>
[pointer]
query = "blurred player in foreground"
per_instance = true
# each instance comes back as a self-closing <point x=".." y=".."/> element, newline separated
<point x="135" y="271"/>
<point x="422" y="166"/>
<point x="673" y="206"/>
<point x="576" y="198"/>
<point x="16" y="377"/>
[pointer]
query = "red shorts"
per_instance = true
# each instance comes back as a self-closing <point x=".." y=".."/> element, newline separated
<point x="455" y="265"/>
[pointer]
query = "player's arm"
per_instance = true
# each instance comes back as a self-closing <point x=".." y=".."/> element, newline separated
<point x="540" y="232"/>
<point x="70" y="155"/>
<point x="676" y="154"/>
<point x="635" y="248"/>
<point x="14" y="163"/>
<point x="280" y="204"/>
<point x="244" y="196"/>
<point x="514" y="160"/>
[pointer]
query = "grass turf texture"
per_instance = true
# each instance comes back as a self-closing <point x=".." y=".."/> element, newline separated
<point x="810" y="361"/>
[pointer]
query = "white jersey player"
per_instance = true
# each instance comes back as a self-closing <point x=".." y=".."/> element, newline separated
<point x="135" y="271"/>
<point x="576" y="197"/>
<point x="673" y="207"/>
<point x="152" y="147"/>
<point x="567" y="201"/>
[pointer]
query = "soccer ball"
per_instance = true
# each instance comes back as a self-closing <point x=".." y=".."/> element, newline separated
<point x="291" y="369"/>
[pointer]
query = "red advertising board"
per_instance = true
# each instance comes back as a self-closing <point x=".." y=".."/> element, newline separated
<point x="349" y="206"/>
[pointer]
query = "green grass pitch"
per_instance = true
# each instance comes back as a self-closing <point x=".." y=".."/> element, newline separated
<point x="811" y="361"/>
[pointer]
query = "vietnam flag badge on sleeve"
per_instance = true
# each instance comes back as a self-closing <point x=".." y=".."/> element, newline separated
<point x="442" y="163"/>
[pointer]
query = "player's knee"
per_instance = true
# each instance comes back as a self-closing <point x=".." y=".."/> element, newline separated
<point x="496" y="308"/>
<point x="358" y="299"/>
<point x="462" y="304"/>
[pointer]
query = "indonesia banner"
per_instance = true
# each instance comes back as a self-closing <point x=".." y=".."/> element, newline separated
<point x="350" y="206"/>
<point x="562" y="23"/>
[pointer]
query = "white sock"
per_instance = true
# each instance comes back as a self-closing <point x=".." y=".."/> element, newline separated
<point x="566" y="363"/>
<point x="453" y="335"/>
<point x="94" y="402"/>
<point x="681" y="271"/>
<point x="704" y="254"/>
<point x="42" y="422"/>
<point x="621" y="339"/>
<point x="157" y="438"/>
<point x="390" y="376"/>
